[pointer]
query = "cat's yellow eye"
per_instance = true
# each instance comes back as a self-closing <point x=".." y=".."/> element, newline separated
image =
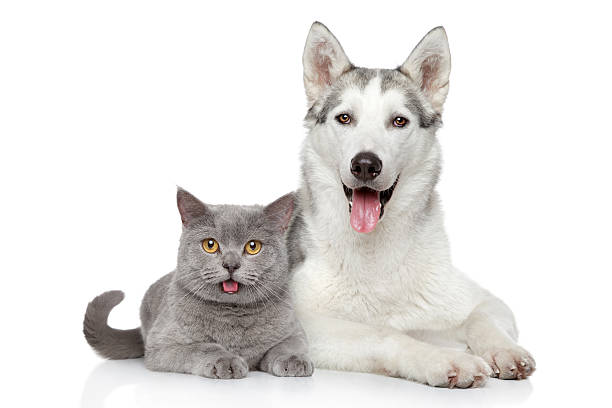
<point x="252" y="247"/>
<point x="210" y="245"/>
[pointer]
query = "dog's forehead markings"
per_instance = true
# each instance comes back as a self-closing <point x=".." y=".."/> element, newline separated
<point x="372" y="89"/>
<point x="356" y="78"/>
<point x="393" y="79"/>
<point x="360" y="86"/>
<point x="361" y="77"/>
<point x="372" y="85"/>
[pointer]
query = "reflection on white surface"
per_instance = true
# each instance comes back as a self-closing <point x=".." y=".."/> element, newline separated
<point x="128" y="383"/>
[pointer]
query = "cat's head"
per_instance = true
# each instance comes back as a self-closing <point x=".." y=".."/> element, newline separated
<point x="231" y="253"/>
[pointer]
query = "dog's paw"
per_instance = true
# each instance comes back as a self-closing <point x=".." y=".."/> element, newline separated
<point x="449" y="368"/>
<point x="225" y="367"/>
<point x="292" y="365"/>
<point x="510" y="364"/>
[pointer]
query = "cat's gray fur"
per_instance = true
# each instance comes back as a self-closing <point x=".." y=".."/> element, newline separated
<point x="190" y="325"/>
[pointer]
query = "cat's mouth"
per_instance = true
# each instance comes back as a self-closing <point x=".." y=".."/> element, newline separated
<point x="229" y="286"/>
<point x="367" y="206"/>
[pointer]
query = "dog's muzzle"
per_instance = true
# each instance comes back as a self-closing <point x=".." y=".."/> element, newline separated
<point x="366" y="205"/>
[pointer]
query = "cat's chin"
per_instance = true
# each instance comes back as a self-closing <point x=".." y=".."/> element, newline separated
<point x="229" y="286"/>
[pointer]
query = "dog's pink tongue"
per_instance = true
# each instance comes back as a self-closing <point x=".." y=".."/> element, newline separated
<point x="365" y="211"/>
<point x="230" y="286"/>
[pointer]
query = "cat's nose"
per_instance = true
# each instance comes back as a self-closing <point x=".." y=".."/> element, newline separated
<point x="231" y="267"/>
<point x="231" y="262"/>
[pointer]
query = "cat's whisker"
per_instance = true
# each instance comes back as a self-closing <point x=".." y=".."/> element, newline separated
<point x="278" y="300"/>
<point x="273" y="303"/>
<point x="280" y="289"/>
<point x="267" y="299"/>
<point x="252" y="295"/>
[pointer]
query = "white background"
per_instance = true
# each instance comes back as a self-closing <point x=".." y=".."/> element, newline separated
<point x="106" y="106"/>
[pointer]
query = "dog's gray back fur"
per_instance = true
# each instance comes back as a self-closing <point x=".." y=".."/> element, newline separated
<point x="188" y="306"/>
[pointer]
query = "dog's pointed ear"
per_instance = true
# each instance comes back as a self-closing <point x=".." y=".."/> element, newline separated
<point x="279" y="212"/>
<point x="324" y="61"/>
<point x="429" y="66"/>
<point x="189" y="207"/>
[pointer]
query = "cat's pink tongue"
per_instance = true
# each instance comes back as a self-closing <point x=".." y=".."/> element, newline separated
<point x="365" y="211"/>
<point x="230" y="286"/>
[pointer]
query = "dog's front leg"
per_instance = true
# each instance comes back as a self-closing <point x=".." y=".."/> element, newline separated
<point x="491" y="333"/>
<point x="351" y="346"/>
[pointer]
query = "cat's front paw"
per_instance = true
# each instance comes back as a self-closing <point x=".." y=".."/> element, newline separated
<point x="449" y="368"/>
<point x="225" y="367"/>
<point x="510" y="363"/>
<point x="292" y="365"/>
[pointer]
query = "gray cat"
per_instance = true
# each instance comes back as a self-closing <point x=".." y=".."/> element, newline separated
<point x="225" y="309"/>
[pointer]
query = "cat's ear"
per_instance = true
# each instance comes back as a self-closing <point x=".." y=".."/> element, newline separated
<point x="279" y="213"/>
<point x="429" y="66"/>
<point x="189" y="206"/>
<point x="324" y="61"/>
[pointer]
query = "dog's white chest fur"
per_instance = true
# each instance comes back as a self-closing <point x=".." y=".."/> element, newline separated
<point x="385" y="278"/>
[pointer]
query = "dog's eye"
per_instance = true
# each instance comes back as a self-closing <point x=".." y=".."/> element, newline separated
<point x="252" y="247"/>
<point x="343" y="118"/>
<point x="400" y="121"/>
<point x="210" y="245"/>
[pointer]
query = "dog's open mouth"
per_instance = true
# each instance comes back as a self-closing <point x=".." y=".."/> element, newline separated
<point x="367" y="206"/>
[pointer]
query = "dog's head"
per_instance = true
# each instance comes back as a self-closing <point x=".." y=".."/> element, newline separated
<point x="373" y="127"/>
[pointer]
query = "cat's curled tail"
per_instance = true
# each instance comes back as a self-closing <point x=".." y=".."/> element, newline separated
<point x="110" y="343"/>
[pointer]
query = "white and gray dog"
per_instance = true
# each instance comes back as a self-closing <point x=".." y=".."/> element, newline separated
<point x="374" y="284"/>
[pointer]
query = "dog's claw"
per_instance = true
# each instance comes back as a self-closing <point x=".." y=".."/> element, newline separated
<point x="452" y="380"/>
<point x="509" y="364"/>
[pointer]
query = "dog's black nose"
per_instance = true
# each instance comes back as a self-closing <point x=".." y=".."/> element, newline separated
<point x="366" y="166"/>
